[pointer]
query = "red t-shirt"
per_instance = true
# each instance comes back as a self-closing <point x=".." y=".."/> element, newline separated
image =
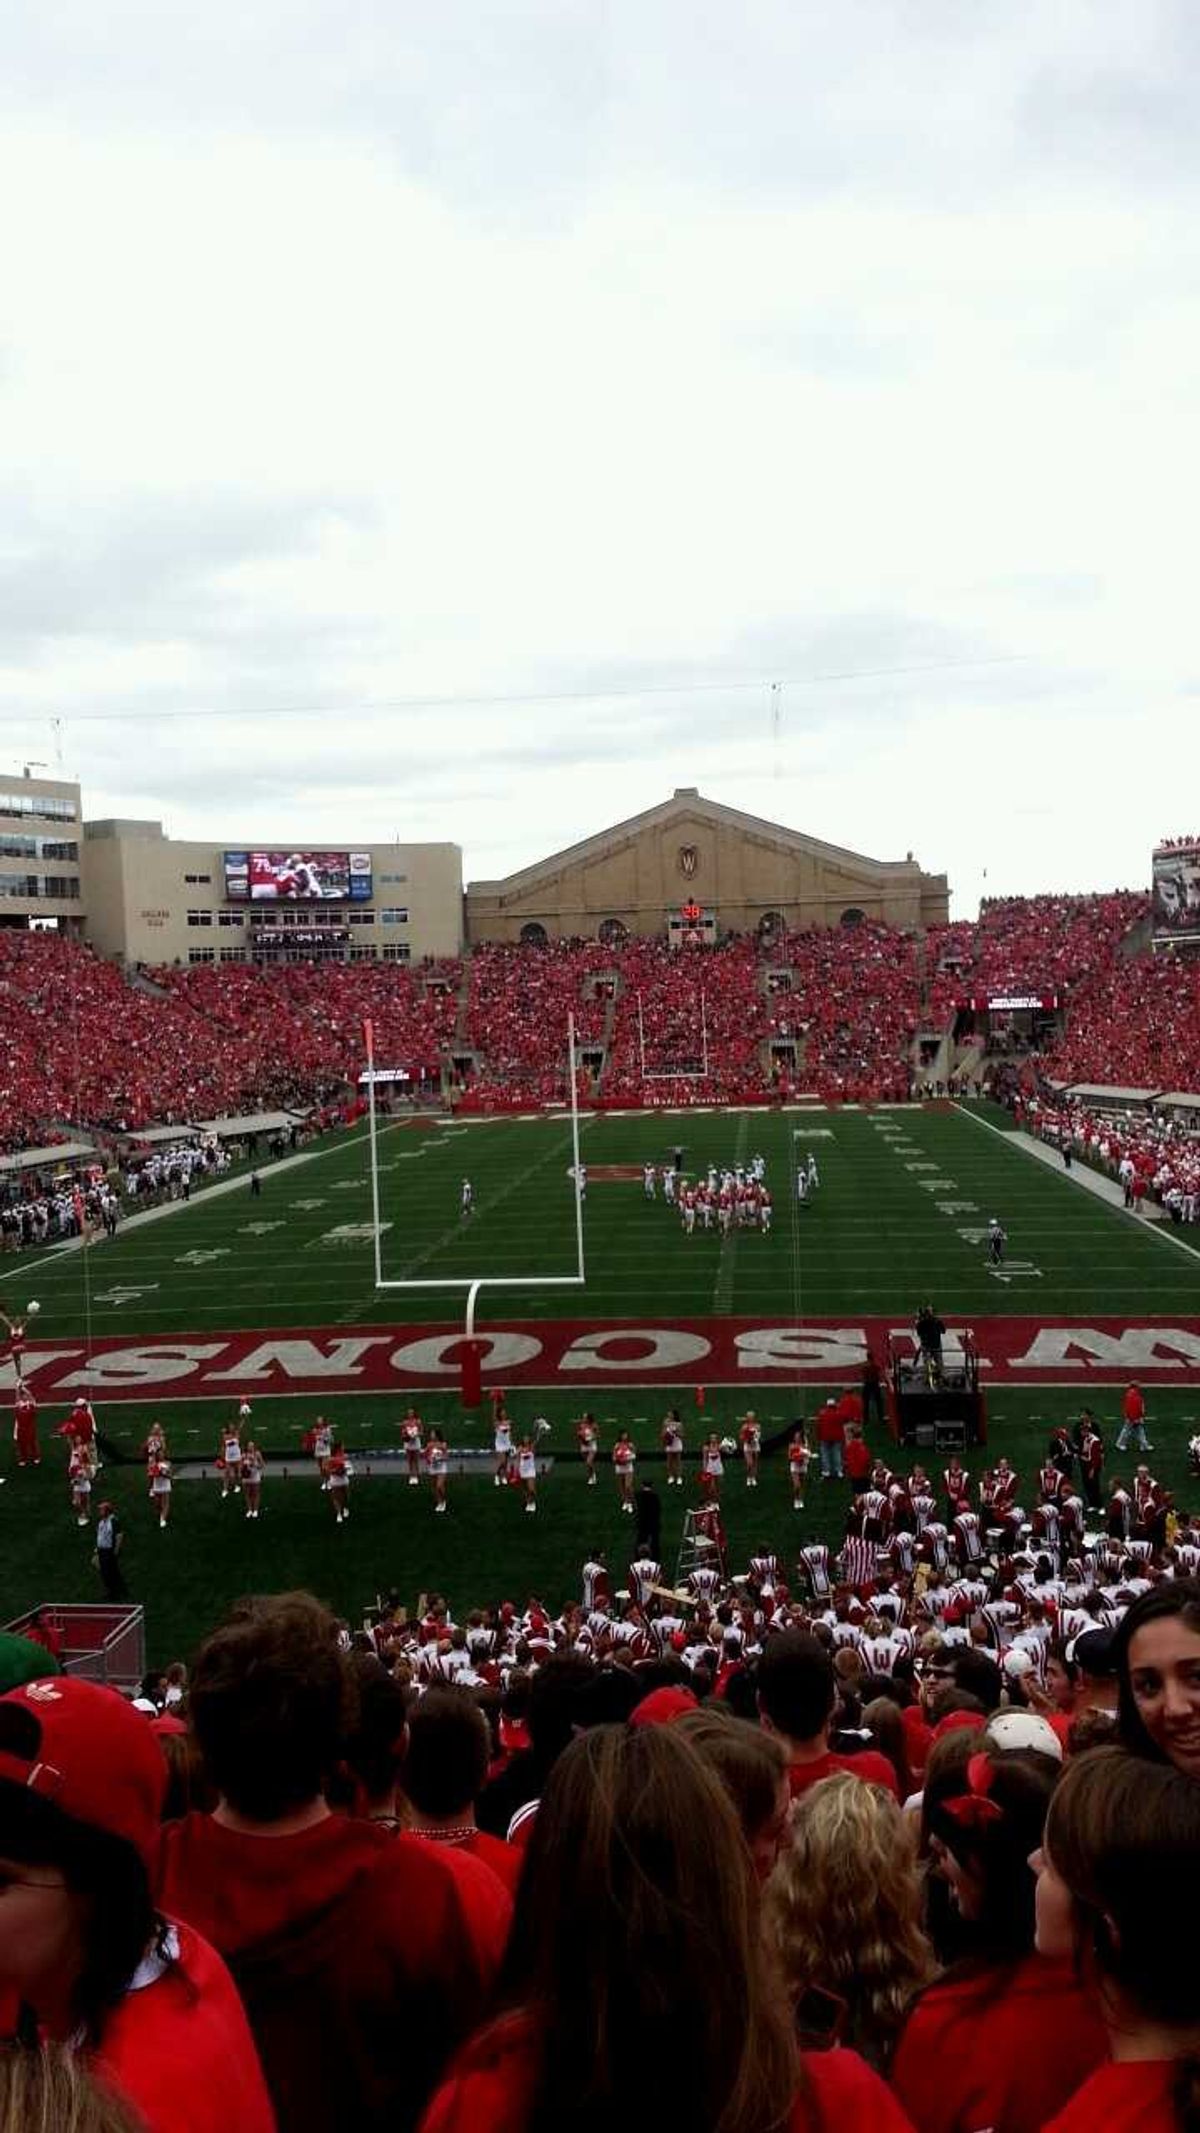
<point x="1132" y="2097"/>
<point x="489" y="2090"/>
<point x="872" y="1767"/>
<point x="1001" y="2049"/>
<point x="1133" y="1407"/>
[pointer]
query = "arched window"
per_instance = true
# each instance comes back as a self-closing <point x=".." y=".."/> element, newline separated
<point x="613" y="933"/>
<point x="852" y="917"/>
<point x="533" y="935"/>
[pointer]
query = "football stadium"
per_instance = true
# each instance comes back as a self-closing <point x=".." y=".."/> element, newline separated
<point x="600" y="1470"/>
<point x="641" y="1225"/>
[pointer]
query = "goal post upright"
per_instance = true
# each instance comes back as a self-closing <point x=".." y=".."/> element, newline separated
<point x="473" y="1284"/>
<point x="372" y="1135"/>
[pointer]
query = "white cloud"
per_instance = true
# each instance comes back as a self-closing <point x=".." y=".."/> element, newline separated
<point x="352" y="356"/>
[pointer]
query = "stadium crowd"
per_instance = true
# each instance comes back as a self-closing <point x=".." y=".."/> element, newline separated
<point x="885" y="1843"/>
<point x="1153" y="1157"/>
<point x="830" y="1012"/>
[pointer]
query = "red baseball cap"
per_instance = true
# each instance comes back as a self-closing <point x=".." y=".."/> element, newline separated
<point x="89" y="1753"/>
<point x="662" y="1706"/>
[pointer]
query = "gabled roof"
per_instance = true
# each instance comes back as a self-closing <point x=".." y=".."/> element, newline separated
<point x="688" y="804"/>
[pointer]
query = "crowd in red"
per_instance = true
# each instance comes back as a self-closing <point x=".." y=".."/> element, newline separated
<point x="889" y="1847"/>
<point x="1028" y="945"/>
<point x="1134" y="1025"/>
<point x="831" y="1013"/>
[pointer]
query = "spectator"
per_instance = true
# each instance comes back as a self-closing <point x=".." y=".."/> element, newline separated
<point x="1121" y="1855"/>
<point x="444" y="1771"/>
<point x="1006" y="2036"/>
<point x="637" y="1875"/>
<point x="84" y="1955"/>
<point x="553" y="1703"/>
<point x="796" y="1700"/>
<point x="752" y="1767"/>
<point x="843" y="1915"/>
<point x="46" y="2088"/>
<point x="329" y="1925"/>
<point x="1156" y="1654"/>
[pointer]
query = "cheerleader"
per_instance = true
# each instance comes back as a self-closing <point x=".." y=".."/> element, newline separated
<point x="253" y="1464"/>
<point x="672" y="1444"/>
<point x="588" y="1439"/>
<point x="79" y="1477"/>
<point x="437" y="1460"/>
<point x="750" y="1439"/>
<point x="155" y="1447"/>
<point x="527" y="1472"/>
<point x="160" y="1491"/>
<point x="321" y="1440"/>
<point x="624" y="1462"/>
<point x="25" y="1433"/>
<point x="712" y="1465"/>
<point x="12" y="1348"/>
<point x="80" y="1427"/>
<point x="502" y="1445"/>
<point x="338" y="1471"/>
<point x="229" y="1460"/>
<point x="411" y="1441"/>
<point x="798" y="1458"/>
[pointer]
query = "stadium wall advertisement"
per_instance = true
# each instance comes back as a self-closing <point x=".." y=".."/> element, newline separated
<point x="1175" y="892"/>
<point x="568" y="1352"/>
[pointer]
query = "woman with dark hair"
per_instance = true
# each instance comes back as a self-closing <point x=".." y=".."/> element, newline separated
<point x="1005" y="2036"/>
<point x="638" y="1983"/>
<point x="1156" y="1652"/>
<point x="1122" y="1856"/>
<point x="84" y="1954"/>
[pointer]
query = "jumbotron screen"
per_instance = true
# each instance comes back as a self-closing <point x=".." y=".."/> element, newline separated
<point x="298" y="877"/>
<point x="1176" y="891"/>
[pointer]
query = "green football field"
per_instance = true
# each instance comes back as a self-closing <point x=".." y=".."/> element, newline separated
<point x="273" y="1297"/>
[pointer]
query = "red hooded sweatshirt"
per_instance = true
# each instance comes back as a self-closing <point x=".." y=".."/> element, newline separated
<point x="490" y="2090"/>
<point x="353" y="1953"/>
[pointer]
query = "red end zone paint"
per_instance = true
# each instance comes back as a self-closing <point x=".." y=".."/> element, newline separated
<point x="569" y="1352"/>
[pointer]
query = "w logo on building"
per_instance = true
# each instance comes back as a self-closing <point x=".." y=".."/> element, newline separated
<point x="689" y="860"/>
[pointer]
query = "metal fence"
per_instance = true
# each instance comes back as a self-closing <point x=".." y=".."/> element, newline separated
<point x="105" y="1643"/>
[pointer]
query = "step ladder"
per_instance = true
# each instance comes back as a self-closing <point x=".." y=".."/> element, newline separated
<point x="702" y="1542"/>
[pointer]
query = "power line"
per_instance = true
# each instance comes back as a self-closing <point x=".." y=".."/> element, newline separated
<point x="526" y="696"/>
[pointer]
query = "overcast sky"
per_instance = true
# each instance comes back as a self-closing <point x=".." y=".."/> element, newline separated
<point x="520" y="389"/>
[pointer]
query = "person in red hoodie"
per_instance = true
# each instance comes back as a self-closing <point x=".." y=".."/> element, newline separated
<point x="352" y="1948"/>
<point x="1121" y="1856"/>
<point x="443" y="1772"/>
<point x="797" y="1698"/>
<point x="84" y="1954"/>
<point x="1006" y="2035"/>
<point x="618" y="2011"/>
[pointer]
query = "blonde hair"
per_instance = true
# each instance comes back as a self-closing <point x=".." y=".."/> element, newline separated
<point x="48" y="2090"/>
<point x="842" y="1909"/>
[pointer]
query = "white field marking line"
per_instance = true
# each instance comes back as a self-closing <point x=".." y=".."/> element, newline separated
<point x="1027" y="1147"/>
<point x="211" y="1192"/>
<point x="463" y="1227"/>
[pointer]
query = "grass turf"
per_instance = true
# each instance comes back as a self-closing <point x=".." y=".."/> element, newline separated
<point x="898" y="1188"/>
